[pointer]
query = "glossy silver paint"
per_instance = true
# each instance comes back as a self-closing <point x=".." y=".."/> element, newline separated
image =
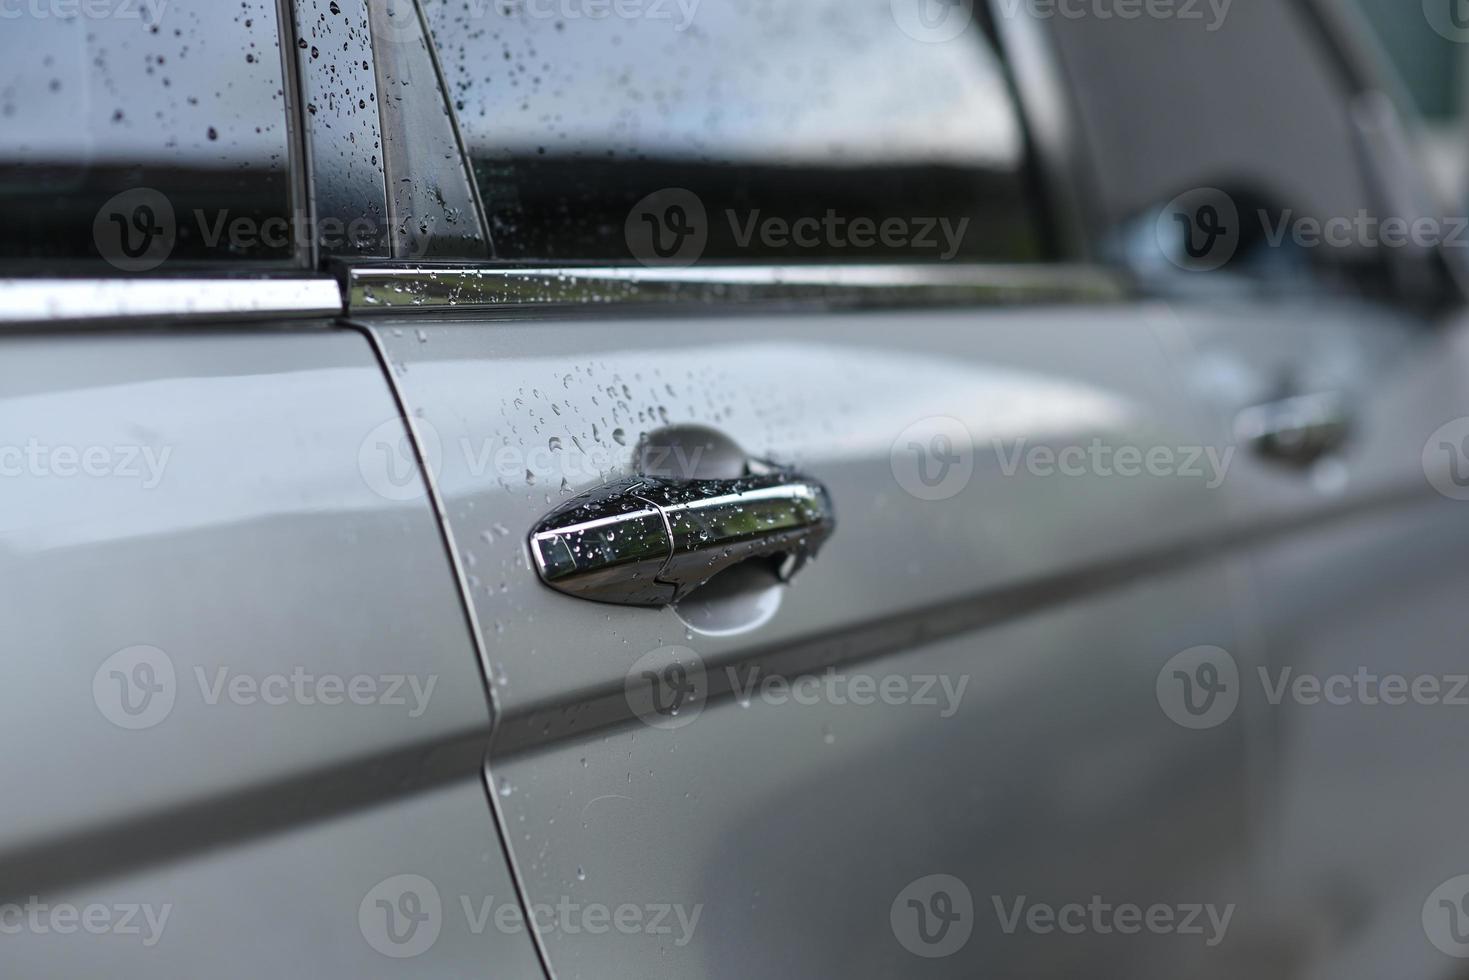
<point x="190" y="523"/>
<point x="774" y="835"/>
<point x="1055" y="603"/>
<point x="1355" y="566"/>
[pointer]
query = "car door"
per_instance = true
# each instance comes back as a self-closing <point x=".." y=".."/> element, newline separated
<point x="1327" y="343"/>
<point x="982" y="729"/>
<point x="243" y="715"/>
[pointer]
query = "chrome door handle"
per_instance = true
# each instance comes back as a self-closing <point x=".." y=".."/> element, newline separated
<point x="650" y="542"/>
<point x="1297" y="430"/>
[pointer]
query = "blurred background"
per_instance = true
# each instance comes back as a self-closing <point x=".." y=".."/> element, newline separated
<point x="1432" y="71"/>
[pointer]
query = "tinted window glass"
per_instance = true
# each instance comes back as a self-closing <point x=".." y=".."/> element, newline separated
<point x="149" y="135"/>
<point x="1224" y="141"/>
<point x="775" y="129"/>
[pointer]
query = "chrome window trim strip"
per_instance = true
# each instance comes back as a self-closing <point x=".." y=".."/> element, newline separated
<point x="1045" y="105"/>
<point x="57" y="302"/>
<point x="299" y="159"/>
<point x="342" y="131"/>
<point x="481" y="289"/>
<point x="478" y="288"/>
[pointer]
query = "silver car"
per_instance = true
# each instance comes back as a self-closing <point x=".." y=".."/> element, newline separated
<point x="727" y="488"/>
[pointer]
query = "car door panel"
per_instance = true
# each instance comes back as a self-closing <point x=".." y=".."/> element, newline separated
<point x="312" y="900"/>
<point x="1056" y="600"/>
<point x="1356" y="569"/>
<point x="237" y="655"/>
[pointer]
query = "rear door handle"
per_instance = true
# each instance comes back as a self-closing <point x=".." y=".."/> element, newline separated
<point x="645" y="541"/>
<point x="1298" y="430"/>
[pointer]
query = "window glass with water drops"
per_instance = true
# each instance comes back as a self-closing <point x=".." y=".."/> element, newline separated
<point x="143" y="135"/>
<point x="677" y="131"/>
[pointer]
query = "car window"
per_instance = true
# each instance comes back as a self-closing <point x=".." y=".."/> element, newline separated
<point x="740" y="130"/>
<point x="1231" y="141"/>
<point x="143" y="136"/>
<point x="1426" y="51"/>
